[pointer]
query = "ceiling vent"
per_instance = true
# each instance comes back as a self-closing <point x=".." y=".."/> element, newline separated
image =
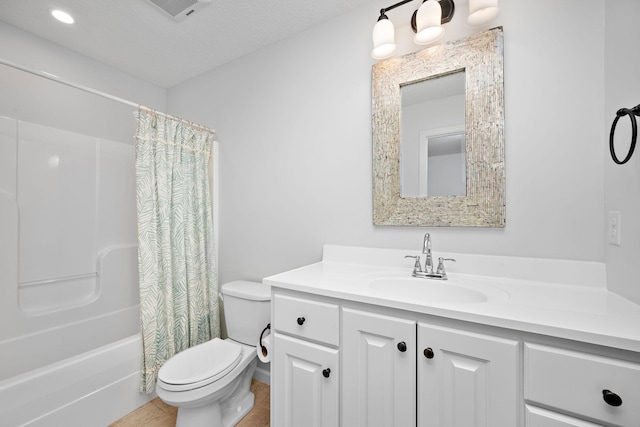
<point x="180" y="9"/>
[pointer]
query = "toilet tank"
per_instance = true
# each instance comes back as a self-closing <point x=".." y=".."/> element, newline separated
<point x="247" y="310"/>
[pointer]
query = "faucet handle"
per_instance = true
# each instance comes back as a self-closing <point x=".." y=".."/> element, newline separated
<point x="440" y="269"/>
<point x="416" y="266"/>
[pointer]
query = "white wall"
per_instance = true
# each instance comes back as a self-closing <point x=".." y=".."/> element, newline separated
<point x="30" y="51"/>
<point x="622" y="183"/>
<point x="39" y="100"/>
<point x="294" y="125"/>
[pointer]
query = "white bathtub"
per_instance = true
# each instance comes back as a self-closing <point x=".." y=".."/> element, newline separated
<point x="80" y="367"/>
<point x="91" y="389"/>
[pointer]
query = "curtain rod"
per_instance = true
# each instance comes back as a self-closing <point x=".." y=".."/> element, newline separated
<point x="57" y="79"/>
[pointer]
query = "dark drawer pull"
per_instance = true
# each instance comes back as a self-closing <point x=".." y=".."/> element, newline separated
<point x="611" y="398"/>
<point x="428" y="353"/>
<point x="402" y="346"/>
<point x="301" y="320"/>
<point x="326" y="372"/>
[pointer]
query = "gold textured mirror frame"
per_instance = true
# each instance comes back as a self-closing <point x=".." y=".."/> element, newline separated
<point x="481" y="57"/>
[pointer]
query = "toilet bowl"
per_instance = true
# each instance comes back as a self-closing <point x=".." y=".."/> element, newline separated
<point x="209" y="383"/>
<point x="211" y="392"/>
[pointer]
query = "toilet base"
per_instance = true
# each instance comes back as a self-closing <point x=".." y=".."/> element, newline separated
<point x="214" y="415"/>
<point x="232" y="416"/>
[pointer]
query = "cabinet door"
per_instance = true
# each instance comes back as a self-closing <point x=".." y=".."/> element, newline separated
<point x="466" y="379"/>
<point x="379" y="370"/>
<point x="305" y="384"/>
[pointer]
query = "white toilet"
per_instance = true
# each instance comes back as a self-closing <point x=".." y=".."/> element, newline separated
<point x="209" y="383"/>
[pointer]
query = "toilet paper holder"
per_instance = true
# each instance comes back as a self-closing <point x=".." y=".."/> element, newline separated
<point x="264" y="349"/>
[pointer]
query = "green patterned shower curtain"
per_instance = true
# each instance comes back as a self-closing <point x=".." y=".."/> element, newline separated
<point x="178" y="281"/>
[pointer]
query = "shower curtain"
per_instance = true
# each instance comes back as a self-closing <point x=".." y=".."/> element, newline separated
<point x="178" y="281"/>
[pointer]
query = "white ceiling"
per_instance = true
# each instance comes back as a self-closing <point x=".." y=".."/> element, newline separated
<point x="137" y="37"/>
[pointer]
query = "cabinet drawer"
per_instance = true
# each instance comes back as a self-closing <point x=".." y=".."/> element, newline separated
<point x="537" y="417"/>
<point x="575" y="382"/>
<point x="313" y="320"/>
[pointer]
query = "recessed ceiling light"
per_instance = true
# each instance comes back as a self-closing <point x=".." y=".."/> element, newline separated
<point x="62" y="16"/>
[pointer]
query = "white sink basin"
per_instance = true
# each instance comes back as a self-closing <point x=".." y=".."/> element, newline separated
<point x="435" y="292"/>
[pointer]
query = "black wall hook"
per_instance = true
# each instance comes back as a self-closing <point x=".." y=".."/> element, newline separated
<point x="632" y="113"/>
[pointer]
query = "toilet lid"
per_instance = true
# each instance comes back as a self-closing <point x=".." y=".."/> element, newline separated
<point x="200" y="365"/>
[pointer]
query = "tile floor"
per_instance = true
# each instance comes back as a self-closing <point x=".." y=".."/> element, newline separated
<point x="158" y="414"/>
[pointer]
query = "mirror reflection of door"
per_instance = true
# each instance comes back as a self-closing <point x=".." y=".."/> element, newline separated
<point x="443" y="162"/>
<point x="432" y="137"/>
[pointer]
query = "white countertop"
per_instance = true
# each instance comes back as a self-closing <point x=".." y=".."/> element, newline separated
<point x="565" y="299"/>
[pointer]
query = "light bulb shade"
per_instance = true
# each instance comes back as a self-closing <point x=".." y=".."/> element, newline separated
<point x="383" y="39"/>
<point x="481" y="11"/>
<point x="428" y="26"/>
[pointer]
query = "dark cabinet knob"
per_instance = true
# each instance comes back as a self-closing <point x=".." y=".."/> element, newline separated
<point x="326" y="372"/>
<point x="301" y="320"/>
<point x="402" y="346"/>
<point x="428" y="353"/>
<point x="611" y="398"/>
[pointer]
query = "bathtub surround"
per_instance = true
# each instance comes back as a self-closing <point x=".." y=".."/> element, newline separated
<point x="68" y="270"/>
<point x="176" y="256"/>
<point x="68" y="275"/>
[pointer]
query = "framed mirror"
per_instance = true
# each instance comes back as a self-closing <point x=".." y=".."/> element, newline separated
<point x="438" y="135"/>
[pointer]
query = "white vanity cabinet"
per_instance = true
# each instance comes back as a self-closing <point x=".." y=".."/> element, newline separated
<point x="579" y="388"/>
<point x="466" y="379"/>
<point x="338" y="362"/>
<point x="388" y="378"/>
<point x="379" y="370"/>
<point x="305" y="385"/>
<point x="538" y="343"/>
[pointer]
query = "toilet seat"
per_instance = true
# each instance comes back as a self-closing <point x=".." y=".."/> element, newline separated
<point x="200" y="365"/>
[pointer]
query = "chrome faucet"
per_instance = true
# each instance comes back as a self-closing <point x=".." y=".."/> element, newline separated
<point x="426" y="250"/>
<point x="428" y="273"/>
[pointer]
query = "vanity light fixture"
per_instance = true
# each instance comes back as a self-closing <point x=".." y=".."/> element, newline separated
<point x="62" y="16"/>
<point x="427" y="22"/>
<point x="481" y="11"/>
